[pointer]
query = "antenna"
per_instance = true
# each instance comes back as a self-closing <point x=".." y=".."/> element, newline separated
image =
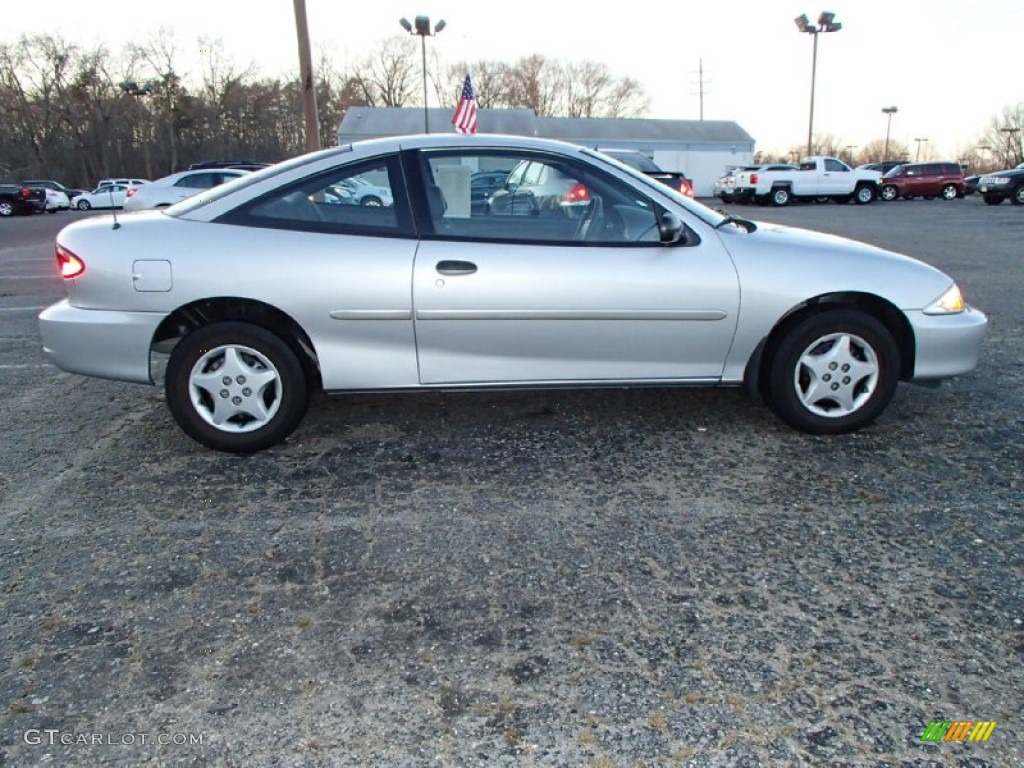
<point x="113" y="208"/>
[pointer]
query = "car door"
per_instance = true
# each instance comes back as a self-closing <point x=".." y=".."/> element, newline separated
<point x="341" y="271"/>
<point x="834" y="179"/>
<point x="563" y="295"/>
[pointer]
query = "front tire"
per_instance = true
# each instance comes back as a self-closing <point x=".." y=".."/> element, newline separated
<point x="6" y="208"/>
<point x="372" y="202"/>
<point x="235" y="387"/>
<point x="949" y="192"/>
<point x="83" y="205"/>
<point x="863" y="194"/>
<point x="833" y="372"/>
<point x="889" y="193"/>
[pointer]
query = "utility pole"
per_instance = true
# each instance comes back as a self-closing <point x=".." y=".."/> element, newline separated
<point x="700" y="76"/>
<point x="309" y="112"/>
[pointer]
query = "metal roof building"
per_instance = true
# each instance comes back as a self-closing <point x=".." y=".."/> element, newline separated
<point x="702" y="149"/>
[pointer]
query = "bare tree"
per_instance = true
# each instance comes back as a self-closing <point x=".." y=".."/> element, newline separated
<point x="1005" y="136"/>
<point x="388" y="78"/>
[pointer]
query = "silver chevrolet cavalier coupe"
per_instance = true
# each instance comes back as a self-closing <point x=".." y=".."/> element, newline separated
<point x="579" y="272"/>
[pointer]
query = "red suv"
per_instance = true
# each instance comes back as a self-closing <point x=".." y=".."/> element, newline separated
<point x="927" y="180"/>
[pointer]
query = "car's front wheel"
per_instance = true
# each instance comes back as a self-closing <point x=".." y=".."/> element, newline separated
<point x="949" y="192"/>
<point x="6" y="208"/>
<point x="833" y="372"/>
<point x="235" y="387"/>
<point x="373" y="202"/>
<point x="863" y="194"/>
<point x="889" y="193"/>
<point x="83" y="205"/>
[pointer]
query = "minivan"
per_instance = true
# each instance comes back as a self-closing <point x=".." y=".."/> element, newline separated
<point x="927" y="180"/>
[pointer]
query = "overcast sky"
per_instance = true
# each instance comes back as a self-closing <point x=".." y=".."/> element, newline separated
<point x="948" y="66"/>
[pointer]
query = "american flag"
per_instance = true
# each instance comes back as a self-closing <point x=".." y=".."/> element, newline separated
<point x="464" y="118"/>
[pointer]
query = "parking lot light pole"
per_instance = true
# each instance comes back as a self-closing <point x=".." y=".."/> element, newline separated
<point x="826" y="23"/>
<point x="421" y="28"/>
<point x="1012" y="156"/>
<point x="890" y="111"/>
<point x="917" y="159"/>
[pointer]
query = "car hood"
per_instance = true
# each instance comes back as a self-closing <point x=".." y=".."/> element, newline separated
<point x="815" y="264"/>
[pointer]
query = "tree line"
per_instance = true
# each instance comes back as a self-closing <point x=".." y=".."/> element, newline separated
<point x="78" y="114"/>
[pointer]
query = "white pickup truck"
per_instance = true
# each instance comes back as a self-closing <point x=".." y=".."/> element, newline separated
<point x="818" y="178"/>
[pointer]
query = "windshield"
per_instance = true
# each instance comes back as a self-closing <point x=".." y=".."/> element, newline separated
<point x="246" y="179"/>
<point x="894" y="171"/>
<point x="699" y="210"/>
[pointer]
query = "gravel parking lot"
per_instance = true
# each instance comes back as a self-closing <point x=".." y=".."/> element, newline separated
<point x="608" y="578"/>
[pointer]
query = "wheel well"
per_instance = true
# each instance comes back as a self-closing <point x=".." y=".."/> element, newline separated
<point x="781" y="185"/>
<point x="189" y="317"/>
<point x="880" y="309"/>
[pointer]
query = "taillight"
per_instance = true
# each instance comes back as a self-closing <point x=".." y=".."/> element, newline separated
<point x="69" y="264"/>
<point x="686" y="187"/>
<point x="131" y="191"/>
<point x="578" y="194"/>
<point x="26" y="192"/>
<point x="753" y="178"/>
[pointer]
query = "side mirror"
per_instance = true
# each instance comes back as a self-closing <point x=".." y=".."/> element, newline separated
<point x="670" y="228"/>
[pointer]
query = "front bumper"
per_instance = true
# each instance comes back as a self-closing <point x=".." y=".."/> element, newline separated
<point x="92" y="342"/>
<point x="947" y="345"/>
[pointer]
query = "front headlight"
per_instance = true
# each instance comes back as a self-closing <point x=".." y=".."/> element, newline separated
<point x="949" y="303"/>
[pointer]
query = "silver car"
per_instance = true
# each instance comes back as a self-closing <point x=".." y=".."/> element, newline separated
<point x="266" y="288"/>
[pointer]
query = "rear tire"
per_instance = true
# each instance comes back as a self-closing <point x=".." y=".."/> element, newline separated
<point x="863" y="194"/>
<point x="780" y="197"/>
<point x="1017" y="198"/>
<point x="6" y="209"/>
<point x="235" y="387"/>
<point x="949" y="192"/>
<point x="833" y="372"/>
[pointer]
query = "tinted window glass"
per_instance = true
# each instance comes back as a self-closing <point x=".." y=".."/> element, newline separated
<point x="198" y="181"/>
<point x="557" y="202"/>
<point x="333" y="202"/>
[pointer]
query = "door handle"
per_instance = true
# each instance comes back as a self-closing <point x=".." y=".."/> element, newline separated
<point x="456" y="267"/>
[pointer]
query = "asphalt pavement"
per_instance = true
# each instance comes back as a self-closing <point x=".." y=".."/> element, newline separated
<point x="609" y="578"/>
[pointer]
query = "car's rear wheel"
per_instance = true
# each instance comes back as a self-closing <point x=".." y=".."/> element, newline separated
<point x="833" y="372"/>
<point x="992" y="199"/>
<point x="83" y="205"/>
<point x="780" y="196"/>
<point x="1017" y="198"/>
<point x="6" y="208"/>
<point x="373" y="202"/>
<point x="235" y="387"/>
<point x="949" y="192"/>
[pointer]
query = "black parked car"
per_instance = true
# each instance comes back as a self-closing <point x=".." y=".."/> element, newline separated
<point x="482" y="185"/>
<point x="998" y="186"/>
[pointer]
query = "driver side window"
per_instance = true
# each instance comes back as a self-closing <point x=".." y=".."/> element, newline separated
<point x="526" y="197"/>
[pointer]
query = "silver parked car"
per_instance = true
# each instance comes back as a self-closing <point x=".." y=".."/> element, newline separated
<point x="267" y="287"/>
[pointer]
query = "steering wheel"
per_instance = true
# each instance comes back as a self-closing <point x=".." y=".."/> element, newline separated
<point x="592" y="215"/>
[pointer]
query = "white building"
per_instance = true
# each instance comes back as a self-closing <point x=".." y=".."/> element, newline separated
<point x="702" y="149"/>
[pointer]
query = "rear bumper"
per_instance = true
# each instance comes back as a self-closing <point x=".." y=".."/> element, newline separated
<point x="947" y="345"/>
<point x="110" y="345"/>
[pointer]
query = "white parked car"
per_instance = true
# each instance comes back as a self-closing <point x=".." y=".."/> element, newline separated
<point x="127" y="182"/>
<point x="56" y="201"/>
<point x="109" y="196"/>
<point x="367" y="193"/>
<point x="176" y="187"/>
